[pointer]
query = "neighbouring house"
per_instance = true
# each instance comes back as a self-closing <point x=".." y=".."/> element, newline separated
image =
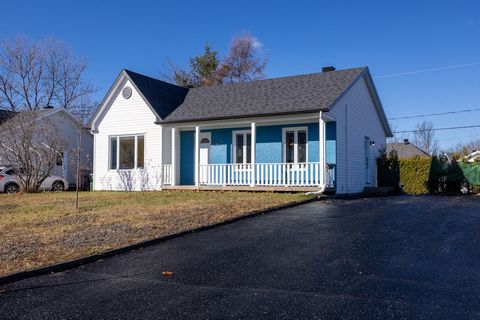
<point x="472" y="157"/>
<point x="305" y="132"/>
<point x="67" y="127"/>
<point x="406" y="150"/>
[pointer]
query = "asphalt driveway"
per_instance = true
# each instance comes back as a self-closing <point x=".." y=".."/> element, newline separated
<point x="383" y="258"/>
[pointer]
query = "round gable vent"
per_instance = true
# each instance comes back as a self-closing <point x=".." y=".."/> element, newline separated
<point x="127" y="92"/>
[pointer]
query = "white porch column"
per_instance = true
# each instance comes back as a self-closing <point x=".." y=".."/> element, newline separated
<point x="253" y="147"/>
<point x="160" y="163"/>
<point x="197" y="155"/>
<point x="174" y="157"/>
<point x="321" y="141"/>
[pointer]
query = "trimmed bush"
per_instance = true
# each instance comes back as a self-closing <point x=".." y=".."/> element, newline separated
<point x="415" y="175"/>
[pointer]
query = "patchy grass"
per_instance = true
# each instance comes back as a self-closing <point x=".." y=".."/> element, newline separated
<point x="44" y="228"/>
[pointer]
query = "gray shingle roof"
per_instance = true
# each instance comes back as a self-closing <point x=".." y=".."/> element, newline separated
<point x="406" y="150"/>
<point x="295" y="94"/>
<point x="162" y="96"/>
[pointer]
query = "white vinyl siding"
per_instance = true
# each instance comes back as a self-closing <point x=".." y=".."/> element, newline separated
<point x="357" y="108"/>
<point x="128" y="117"/>
<point x="67" y="129"/>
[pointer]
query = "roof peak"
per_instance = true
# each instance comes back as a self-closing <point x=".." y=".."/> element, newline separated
<point x="130" y="73"/>
<point x="329" y="73"/>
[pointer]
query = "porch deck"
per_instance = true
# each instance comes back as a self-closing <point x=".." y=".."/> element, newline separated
<point x="242" y="188"/>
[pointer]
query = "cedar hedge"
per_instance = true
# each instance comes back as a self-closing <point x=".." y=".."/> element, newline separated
<point x="422" y="175"/>
<point x="415" y="174"/>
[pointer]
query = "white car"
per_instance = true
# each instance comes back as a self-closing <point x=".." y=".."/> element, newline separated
<point x="9" y="182"/>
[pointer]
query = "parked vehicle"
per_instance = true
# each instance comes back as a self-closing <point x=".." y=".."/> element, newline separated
<point x="9" y="182"/>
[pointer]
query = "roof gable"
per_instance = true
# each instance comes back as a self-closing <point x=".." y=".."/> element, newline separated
<point x="160" y="96"/>
<point x="42" y="114"/>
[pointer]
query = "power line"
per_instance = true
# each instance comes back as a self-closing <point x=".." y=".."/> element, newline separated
<point x="441" y="129"/>
<point x="435" y="114"/>
<point x="427" y="70"/>
<point x="458" y="138"/>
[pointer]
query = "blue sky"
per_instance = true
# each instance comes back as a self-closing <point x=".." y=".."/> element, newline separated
<point x="297" y="36"/>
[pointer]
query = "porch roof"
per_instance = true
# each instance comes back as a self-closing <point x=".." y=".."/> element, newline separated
<point x="294" y="94"/>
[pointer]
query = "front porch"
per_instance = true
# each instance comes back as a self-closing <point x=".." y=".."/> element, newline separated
<point x="289" y="155"/>
<point x="242" y="188"/>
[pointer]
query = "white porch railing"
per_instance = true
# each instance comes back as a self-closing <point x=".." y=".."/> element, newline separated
<point x="167" y="174"/>
<point x="225" y="174"/>
<point x="287" y="174"/>
<point x="266" y="174"/>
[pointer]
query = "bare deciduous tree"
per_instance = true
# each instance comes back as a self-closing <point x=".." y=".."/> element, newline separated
<point x="202" y="70"/>
<point x="35" y="74"/>
<point x="181" y="77"/>
<point x="243" y="63"/>
<point x="424" y="137"/>
<point x="30" y="144"/>
<point x="474" y="144"/>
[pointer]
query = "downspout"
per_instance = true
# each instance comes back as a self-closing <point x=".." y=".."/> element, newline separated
<point x="321" y="141"/>
<point x="320" y="191"/>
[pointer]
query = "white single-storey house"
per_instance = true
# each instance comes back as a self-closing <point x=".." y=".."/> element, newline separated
<point x="307" y="133"/>
<point x="67" y="127"/>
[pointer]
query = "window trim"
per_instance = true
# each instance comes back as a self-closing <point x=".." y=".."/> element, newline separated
<point x="135" y="151"/>
<point x="234" y="145"/>
<point x="295" y="142"/>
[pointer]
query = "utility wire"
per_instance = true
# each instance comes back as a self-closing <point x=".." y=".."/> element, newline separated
<point x="427" y="70"/>
<point x="459" y="138"/>
<point x="435" y="114"/>
<point x="441" y="129"/>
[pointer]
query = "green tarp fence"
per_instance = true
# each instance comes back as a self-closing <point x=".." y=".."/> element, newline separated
<point x="471" y="171"/>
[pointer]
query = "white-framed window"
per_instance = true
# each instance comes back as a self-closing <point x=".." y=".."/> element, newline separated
<point x="242" y="146"/>
<point x="126" y="152"/>
<point x="295" y="145"/>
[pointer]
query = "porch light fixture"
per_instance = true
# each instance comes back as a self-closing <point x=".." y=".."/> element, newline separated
<point x="372" y="144"/>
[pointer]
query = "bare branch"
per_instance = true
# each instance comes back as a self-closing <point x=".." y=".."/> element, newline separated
<point x="424" y="137"/>
<point x="36" y="74"/>
<point x="243" y="62"/>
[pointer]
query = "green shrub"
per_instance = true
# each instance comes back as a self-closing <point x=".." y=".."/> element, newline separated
<point x="388" y="169"/>
<point x="415" y="175"/>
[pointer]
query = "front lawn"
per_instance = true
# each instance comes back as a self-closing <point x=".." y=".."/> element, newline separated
<point x="44" y="228"/>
